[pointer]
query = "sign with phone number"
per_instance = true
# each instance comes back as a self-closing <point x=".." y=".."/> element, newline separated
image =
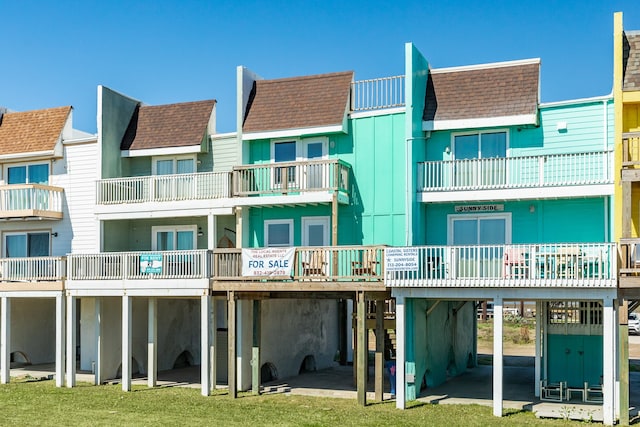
<point x="401" y="259"/>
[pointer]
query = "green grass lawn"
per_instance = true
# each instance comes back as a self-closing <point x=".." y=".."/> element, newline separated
<point x="41" y="403"/>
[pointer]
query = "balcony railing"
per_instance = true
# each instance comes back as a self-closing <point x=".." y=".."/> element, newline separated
<point x="291" y="178"/>
<point x="334" y="263"/>
<point x="533" y="265"/>
<point x="164" y="188"/>
<point x="29" y="200"/>
<point x="630" y="149"/>
<point x="516" y="172"/>
<point x="139" y="265"/>
<point x="36" y="269"/>
<point x="377" y="94"/>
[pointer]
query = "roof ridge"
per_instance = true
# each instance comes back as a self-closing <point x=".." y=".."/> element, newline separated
<point x="486" y="66"/>
<point x="307" y="77"/>
<point x="180" y="103"/>
<point x="40" y="110"/>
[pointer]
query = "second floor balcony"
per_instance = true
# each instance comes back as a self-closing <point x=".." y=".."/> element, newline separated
<point x="306" y="181"/>
<point x="150" y="192"/>
<point x="32" y="273"/>
<point x="631" y="156"/>
<point x="560" y="265"/>
<point x="569" y="175"/>
<point x="30" y="201"/>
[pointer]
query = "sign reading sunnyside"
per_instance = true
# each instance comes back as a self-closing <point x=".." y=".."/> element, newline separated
<point x="268" y="262"/>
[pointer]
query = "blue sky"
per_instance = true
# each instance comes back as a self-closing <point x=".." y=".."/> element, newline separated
<point x="56" y="53"/>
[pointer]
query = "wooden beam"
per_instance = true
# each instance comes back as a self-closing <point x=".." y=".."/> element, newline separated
<point x="255" y="351"/>
<point x="362" y="350"/>
<point x="626" y="209"/>
<point x="233" y="351"/>
<point x="623" y="332"/>
<point x="379" y="358"/>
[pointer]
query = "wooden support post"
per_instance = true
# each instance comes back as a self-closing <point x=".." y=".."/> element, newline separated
<point x="362" y="348"/>
<point x="205" y="336"/>
<point x="152" y="340"/>
<point x="71" y="341"/>
<point x="60" y="339"/>
<point x="380" y="351"/>
<point x="497" y="357"/>
<point x="213" y="344"/>
<point x="626" y="209"/>
<point x="608" y="362"/>
<point x="97" y="363"/>
<point x="5" y="340"/>
<point x="126" y="342"/>
<point x="623" y="328"/>
<point x="232" y="373"/>
<point x="256" y="380"/>
<point x="343" y="324"/>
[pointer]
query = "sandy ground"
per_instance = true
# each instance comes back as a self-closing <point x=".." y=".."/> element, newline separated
<point x="510" y="349"/>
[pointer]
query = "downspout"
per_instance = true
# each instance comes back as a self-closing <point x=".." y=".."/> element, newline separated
<point x="608" y="169"/>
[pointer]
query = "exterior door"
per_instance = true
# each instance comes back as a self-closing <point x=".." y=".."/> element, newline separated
<point x="316" y="176"/>
<point x="471" y="235"/>
<point x="480" y="159"/>
<point x="315" y="231"/>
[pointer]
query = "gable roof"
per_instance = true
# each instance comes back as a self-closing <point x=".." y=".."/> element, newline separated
<point x="171" y="125"/>
<point x="483" y="92"/>
<point x="298" y="102"/>
<point x="32" y="131"/>
<point x="631" y="61"/>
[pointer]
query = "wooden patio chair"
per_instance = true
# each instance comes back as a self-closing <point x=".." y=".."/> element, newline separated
<point x="516" y="264"/>
<point x="315" y="264"/>
<point x="366" y="267"/>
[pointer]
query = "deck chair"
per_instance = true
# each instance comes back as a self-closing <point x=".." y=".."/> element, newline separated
<point x="553" y="392"/>
<point x="366" y="267"/>
<point x="516" y="264"/>
<point x="315" y="264"/>
<point x="567" y="258"/>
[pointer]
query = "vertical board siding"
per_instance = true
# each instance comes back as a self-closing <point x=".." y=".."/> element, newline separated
<point x="80" y="196"/>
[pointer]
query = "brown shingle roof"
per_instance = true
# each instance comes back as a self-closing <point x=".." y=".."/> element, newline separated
<point x="631" y="61"/>
<point x="298" y="102"/>
<point x="483" y="92"/>
<point x="171" y="125"/>
<point x="32" y="131"/>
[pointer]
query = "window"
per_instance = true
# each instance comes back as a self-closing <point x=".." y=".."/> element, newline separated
<point x="478" y="146"/>
<point x="21" y="245"/>
<point x="174" y="165"/>
<point x="284" y="151"/>
<point x="169" y="238"/>
<point x="28" y="174"/>
<point x="278" y="232"/>
<point x="315" y="231"/>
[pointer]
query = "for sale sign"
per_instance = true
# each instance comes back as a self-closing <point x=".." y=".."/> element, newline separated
<point x="267" y="262"/>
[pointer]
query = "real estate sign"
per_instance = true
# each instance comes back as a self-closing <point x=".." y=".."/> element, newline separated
<point x="268" y="262"/>
<point x="401" y="259"/>
<point x="151" y="264"/>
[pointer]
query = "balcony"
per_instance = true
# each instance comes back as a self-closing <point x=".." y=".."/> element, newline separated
<point x="30" y="201"/>
<point x="292" y="182"/>
<point x="562" y="265"/>
<point x="629" y="251"/>
<point x="36" y="273"/>
<point x="377" y="94"/>
<point x="570" y="175"/>
<point x="330" y="268"/>
<point x="631" y="156"/>
<point x="163" y="188"/>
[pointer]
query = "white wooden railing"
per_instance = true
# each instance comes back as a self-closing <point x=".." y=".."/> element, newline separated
<point x="291" y="177"/>
<point x="517" y="172"/>
<point x="164" y="188"/>
<point x="327" y="263"/>
<point x="376" y="94"/>
<point x="30" y="199"/>
<point x="32" y="269"/>
<point x="530" y="265"/>
<point x="139" y="265"/>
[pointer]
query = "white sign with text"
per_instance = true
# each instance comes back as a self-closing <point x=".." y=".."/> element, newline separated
<point x="401" y="259"/>
<point x="267" y="262"/>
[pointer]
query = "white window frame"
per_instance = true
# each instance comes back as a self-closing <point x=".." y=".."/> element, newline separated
<point x="503" y="215"/>
<point x="479" y="133"/>
<point x="269" y="222"/>
<point x="25" y="233"/>
<point x="5" y="171"/>
<point x="175" y="229"/>
<point x="315" y="220"/>
<point x="155" y="159"/>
